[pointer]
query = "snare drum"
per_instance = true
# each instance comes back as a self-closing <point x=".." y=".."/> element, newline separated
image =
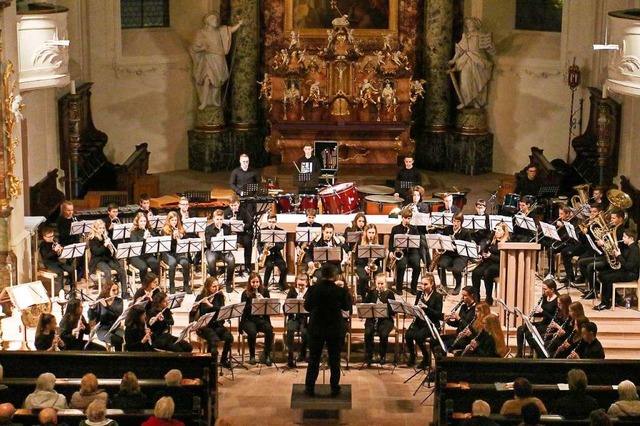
<point x="381" y="204"/>
<point x="307" y="201"/>
<point x="284" y="203"/>
<point x="511" y="202"/>
<point x="340" y="199"/>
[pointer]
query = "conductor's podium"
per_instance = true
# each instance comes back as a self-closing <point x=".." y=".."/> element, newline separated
<point x="322" y="406"/>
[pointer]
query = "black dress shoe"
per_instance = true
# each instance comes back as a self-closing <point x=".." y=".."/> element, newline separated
<point x="225" y="363"/>
<point x="602" y="307"/>
<point x="252" y="360"/>
<point x="335" y="391"/>
<point x="267" y="360"/>
<point x="456" y="291"/>
<point x="291" y="363"/>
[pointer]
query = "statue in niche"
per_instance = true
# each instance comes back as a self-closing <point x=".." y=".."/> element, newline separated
<point x="208" y="51"/>
<point x="389" y="97"/>
<point x="292" y="94"/>
<point x="368" y="93"/>
<point x="315" y="95"/>
<point x="472" y="60"/>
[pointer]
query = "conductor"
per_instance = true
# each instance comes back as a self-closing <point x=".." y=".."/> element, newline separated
<point x="325" y="302"/>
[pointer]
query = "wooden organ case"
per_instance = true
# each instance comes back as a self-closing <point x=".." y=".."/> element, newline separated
<point x="360" y="99"/>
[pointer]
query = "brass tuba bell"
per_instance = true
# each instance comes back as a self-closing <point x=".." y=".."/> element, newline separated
<point x="617" y="199"/>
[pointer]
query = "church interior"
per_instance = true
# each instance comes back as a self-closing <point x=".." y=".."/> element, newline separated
<point x="106" y="100"/>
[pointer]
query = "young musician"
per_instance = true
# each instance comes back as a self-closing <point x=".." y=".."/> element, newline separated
<point x="568" y="344"/>
<point x="112" y="218"/>
<point x="140" y="231"/>
<point x="103" y="253"/>
<point x="522" y="234"/>
<point x="50" y="251"/>
<point x="380" y="326"/>
<point x="326" y="239"/>
<point x="74" y="326"/>
<point x="148" y="287"/>
<point x="357" y="225"/>
<point x="589" y="346"/>
<point x="417" y="195"/>
<point x="302" y="249"/>
<point x="252" y="324"/>
<point x="183" y="209"/>
<point x="530" y="183"/>
<point x="462" y="319"/>
<point x="215" y="229"/>
<point x="629" y="259"/>
<point x="449" y="207"/>
<point x="578" y="248"/>
<point x="275" y="257"/>
<point x="243" y="175"/>
<point x="297" y="322"/>
<point x="366" y="268"/>
<point x="481" y="236"/>
<point x="245" y="237"/>
<point x="409" y="256"/>
<point x="430" y="301"/>
<point x="559" y="326"/>
<point x="451" y="259"/>
<point x="421" y="207"/>
<point x="47" y="337"/>
<point x="489" y="267"/>
<point x="543" y="313"/>
<point x="159" y="320"/>
<point x="489" y="342"/>
<point x="310" y="219"/>
<point x="472" y="330"/>
<point x="211" y="300"/>
<point x="63" y="223"/>
<point x="105" y="311"/>
<point x="308" y="164"/>
<point x="407" y="178"/>
<point x="173" y="226"/>
<point x="137" y="334"/>
<point x="144" y="202"/>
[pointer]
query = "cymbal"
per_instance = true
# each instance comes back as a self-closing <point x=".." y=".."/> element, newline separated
<point x="457" y="190"/>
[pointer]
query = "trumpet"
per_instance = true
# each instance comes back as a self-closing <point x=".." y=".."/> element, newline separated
<point x="56" y="247"/>
<point x="109" y="244"/>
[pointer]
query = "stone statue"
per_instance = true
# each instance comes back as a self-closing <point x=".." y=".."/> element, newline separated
<point x="208" y="51"/>
<point x="389" y="97"/>
<point x="368" y="93"/>
<point x="472" y="61"/>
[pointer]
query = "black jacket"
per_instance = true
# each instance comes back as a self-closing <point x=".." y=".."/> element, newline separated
<point x="325" y="302"/>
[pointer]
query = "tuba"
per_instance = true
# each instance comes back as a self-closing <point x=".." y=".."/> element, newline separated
<point x="578" y="202"/>
<point x="600" y="229"/>
<point x="620" y="200"/>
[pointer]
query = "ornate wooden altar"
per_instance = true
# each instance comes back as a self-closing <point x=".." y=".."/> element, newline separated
<point x="360" y="99"/>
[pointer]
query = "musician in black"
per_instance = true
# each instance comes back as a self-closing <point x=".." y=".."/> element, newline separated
<point x="63" y="224"/>
<point x="173" y="227"/>
<point x="275" y="257"/>
<point x="218" y="228"/>
<point x="366" y="268"/>
<point x="104" y="312"/>
<point x="589" y="347"/>
<point x="50" y="251"/>
<point x="489" y="267"/>
<point x="564" y="215"/>
<point x="542" y="314"/>
<point x="211" y="300"/>
<point x="243" y="175"/>
<point x="380" y="326"/>
<point x="73" y="328"/>
<point x="525" y="210"/>
<point x="326" y="239"/>
<point x="112" y="218"/>
<point x="449" y="207"/>
<point x="629" y="260"/>
<point x="528" y="182"/>
<point x="407" y="178"/>
<point x="577" y="248"/>
<point x="297" y="322"/>
<point x="144" y="204"/>
<point x="245" y="237"/>
<point x="421" y="207"/>
<point x="160" y="320"/>
<point x="103" y="253"/>
<point x="481" y="236"/>
<point x="309" y="165"/>
<point x="140" y="231"/>
<point x="451" y="258"/>
<point x="310" y="222"/>
<point x="252" y="324"/>
<point x="560" y="326"/>
<point x="430" y="301"/>
<point x="463" y="318"/>
<point x="409" y="256"/>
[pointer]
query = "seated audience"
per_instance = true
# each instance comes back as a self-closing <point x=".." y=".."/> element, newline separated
<point x="7" y="410"/>
<point x="523" y="395"/>
<point x="88" y="393"/>
<point x="182" y="399"/>
<point x="130" y="397"/>
<point x="48" y="417"/>
<point x="577" y="404"/>
<point x="628" y="405"/>
<point x="480" y="412"/>
<point x="162" y="414"/>
<point x="97" y="415"/>
<point x="44" y="395"/>
<point x="599" y="418"/>
<point x="530" y="415"/>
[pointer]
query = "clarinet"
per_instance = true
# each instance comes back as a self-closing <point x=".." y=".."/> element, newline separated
<point x="549" y="329"/>
<point x="575" y="350"/>
<point x="535" y="308"/>
<point x="556" y="335"/>
<point x="568" y="339"/>
<point x="462" y="332"/>
<point x="468" y="349"/>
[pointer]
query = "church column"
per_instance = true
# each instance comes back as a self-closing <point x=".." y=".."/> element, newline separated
<point x="438" y="40"/>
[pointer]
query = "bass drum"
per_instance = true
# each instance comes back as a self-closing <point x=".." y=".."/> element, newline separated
<point x="340" y="199"/>
<point x="284" y="203"/>
<point x="307" y="201"/>
<point x="381" y="204"/>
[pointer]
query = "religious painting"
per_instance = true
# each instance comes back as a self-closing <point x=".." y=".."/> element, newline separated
<point x="367" y="17"/>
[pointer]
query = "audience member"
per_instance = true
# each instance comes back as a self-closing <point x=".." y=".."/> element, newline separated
<point x="130" y="396"/>
<point x="48" y="417"/>
<point x="523" y="395"/>
<point x="182" y="399"/>
<point x="88" y="393"/>
<point x="530" y="415"/>
<point x="44" y="396"/>
<point x="577" y="404"/>
<point x="628" y="405"/>
<point x="480" y="412"/>
<point x="599" y="418"/>
<point x="163" y="413"/>
<point x="97" y="415"/>
<point x="7" y="410"/>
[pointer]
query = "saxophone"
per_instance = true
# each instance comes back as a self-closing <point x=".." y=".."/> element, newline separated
<point x="601" y="230"/>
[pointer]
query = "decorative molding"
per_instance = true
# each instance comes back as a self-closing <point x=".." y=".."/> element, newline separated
<point x="143" y="70"/>
<point x="5" y="3"/>
<point x="11" y="112"/>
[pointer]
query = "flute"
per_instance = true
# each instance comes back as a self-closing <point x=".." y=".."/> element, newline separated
<point x="155" y="318"/>
<point x="209" y="297"/>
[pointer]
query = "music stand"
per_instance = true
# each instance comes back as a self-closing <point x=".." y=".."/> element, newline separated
<point x="534" y="332"/>
<point x="125" y="251"/>
<point x="467" y="249"/>
<point x="227" y="313"/>
<point x="495" y="219"/>
<point x="81" y="227"/>
<point x="236" y="225"/>
<point x="273" y="236"/>
<point x="433" y="330"/>
<point x="123" y="315"/>
<point x="292" y="307"/>
<point x="373" y="251"/>
<point x="175" y="300"/>
<point x="157" y="222"/>
<point x="92" y="334"/>
<point x="155" y="245"/>
<point x="255" y="190"/>
<point x="571" y="230"/>
<point x="441" y="219"/>
<point x="194" y="225"/>
<point x="307" y="234"/>
<point x="372" y="311"/>
<point x="73" y="252"/>
<point x="201" y="322"/>
<point x="306" y="180"/>
<point x="420" y="219"/>
<point x="549" y="231"/>
<point x="23" y="296"/>
<point x="406" y="184"/>
<point x="546" y="191"/>
<point x="474" y="222"/>
<point x="121" y="231"/>
<point x="508" y="313"/>
<point x="224" y="243"/>
<point x="440" y="242"/>
<point x="353" y="237"/>
<point x="327" y="254"/>
<point x="401" y="307"/>
<point x="525" y="222"/>
<point x="269" y="307"/>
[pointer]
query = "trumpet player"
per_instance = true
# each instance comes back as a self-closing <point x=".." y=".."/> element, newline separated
<point x="541" y="316"/>
<point x="47" y="336"/>
<point x="140" y="231"/>
<point x="430" y="301"/>
<point x="409" y="257"/>
<point x="215" y="229"/>
<point x="366" y="268"/>
<point x="105" y="311"/>
<point x="327" y="239"/>
<point x="451" y="259"/>
<point x="103" y="255"/>
<point x="211" y="300"/>
<point x="274" y="256"/>
<point x="629" y="259"/>
<point x="50" y="251"/>
<point x="73" y="328"/>
<point x="112" y="218"/>
<point x="380" y="326"/>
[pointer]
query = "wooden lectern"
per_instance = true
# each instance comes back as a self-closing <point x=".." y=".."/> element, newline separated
<point x="517" y="277"/>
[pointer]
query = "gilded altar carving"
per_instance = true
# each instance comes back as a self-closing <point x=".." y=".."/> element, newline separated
<point x="12" y="107"/>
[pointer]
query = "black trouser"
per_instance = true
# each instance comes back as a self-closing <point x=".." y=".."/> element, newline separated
<point x="417" y="335"/>
<point x="106" y="267"/>
<point x="168" y="342"/>
<point x="293" y="325"/>
<point x="457" y="265"/>
<point x="486" y="271"/>
<point x="383" y="328"/>
<point x="172" y="261"/>
<point x="227" y="258"/>
<point x="334" y="340"/>
<point x="247" y="242"/>
<point x="59" y="268"/>
<point x="524" y="333"/>
<point x="588" y="265"/>
<point x="213" y="334"/>
<point x="252" y="327"/>
<point x="412" y="259"/>
<point x="610" y="276"/>
<point x="567" y="254"/>
<point x="278" y="261"/>
<point x="142" y="263"/>
<point x="363" y="281"/>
